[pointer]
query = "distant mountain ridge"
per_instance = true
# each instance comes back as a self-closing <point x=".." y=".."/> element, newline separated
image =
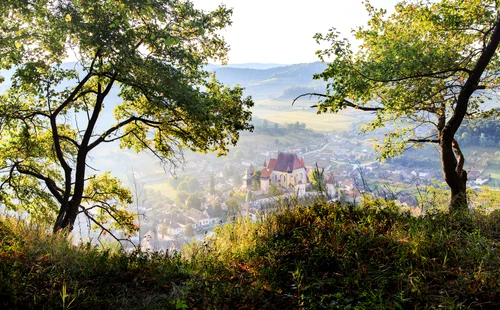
<point x="242" y="76"/>
<point x="271" y="82"/>
<point x="250" y="65"/>
<point x="260" y="80"/>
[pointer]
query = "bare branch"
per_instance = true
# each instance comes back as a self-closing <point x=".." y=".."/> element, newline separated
<point x="70" y="140"/>
<point x="346" y="102"/>
<point x="105" y="229"/>
<point x="421" y="75"/>
<point x="424" y="140"/>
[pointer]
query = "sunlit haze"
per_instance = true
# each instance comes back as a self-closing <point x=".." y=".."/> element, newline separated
<point x="281" y="31"/>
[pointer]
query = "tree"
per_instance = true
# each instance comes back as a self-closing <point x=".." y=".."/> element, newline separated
<point x="256" y="179"/>
<point x="193" y="183"/>
<point x="274" y="190"/>
<point x="180" y="198"/>
<point x="211" y="187"/>
<point x="150" y="53"/>
<point x="317" y="179"/>
<point x="217" y="210"/>
<point x="183" y="186"/>
<point x="425" y="69"/>
<point x="163" y="230"/>
<point x="188" y="230"/>
<point x="193" y="202"/>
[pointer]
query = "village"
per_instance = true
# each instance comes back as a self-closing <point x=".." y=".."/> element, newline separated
<point x="246" y="187"/>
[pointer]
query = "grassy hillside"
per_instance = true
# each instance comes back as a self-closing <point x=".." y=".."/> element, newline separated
<point x="321" y="256"/>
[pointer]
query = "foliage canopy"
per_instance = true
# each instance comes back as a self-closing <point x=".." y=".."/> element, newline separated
<point x="151" y="54"/>
<point x="422" y="71"/>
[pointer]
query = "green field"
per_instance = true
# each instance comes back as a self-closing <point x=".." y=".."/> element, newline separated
<point x="321" y="122"/>
<point x="494" y="170"/>
<point x="283" y="112"/>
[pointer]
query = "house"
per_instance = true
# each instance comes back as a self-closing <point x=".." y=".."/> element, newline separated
<point x="482" y="181"/>
<point x="330" y="186"/>
<point x="474" y="174"/>
<point x="247" y="178"/>
<point x="201" y="219"/>
<point x="287" y="172"/>
<point x="174" y="228"/>
<point x="180" y="219"/>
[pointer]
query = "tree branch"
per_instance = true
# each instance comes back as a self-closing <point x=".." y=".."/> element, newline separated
<point x="417" y="76"/>
<point x="70" y="140"/>
<point x="105" y="229"/>
<point x="113" y="129"/>
<point x="472" y="83"/>
<point x="77" y="88"/>
<point x="51" y="185"/>
<point x="346" y="102"/>
<point x="423" y="140"/>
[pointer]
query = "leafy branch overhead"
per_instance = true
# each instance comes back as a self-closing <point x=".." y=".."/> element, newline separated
<point x="422" y="71"/>
<point x="150" y="53"/>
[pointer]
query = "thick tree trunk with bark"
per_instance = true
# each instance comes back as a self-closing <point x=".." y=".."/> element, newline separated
<point x="66" y="217"/>
<point x="452" y="158"/>
<point x="452" y="161"/>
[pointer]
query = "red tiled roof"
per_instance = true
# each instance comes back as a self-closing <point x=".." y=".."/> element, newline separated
<point x="265" y="173"/>
<point x="272" y="163"/>
<point x="286" y="162"/>
<point x="330" y="180"/>
<point x="250" y="170"/>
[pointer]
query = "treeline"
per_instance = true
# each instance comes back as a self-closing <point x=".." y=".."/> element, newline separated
<point x="293" y="92"/>
<point x="413" y="160"/>
<point x="483" y="132"/>
<point x="263" y="126"/>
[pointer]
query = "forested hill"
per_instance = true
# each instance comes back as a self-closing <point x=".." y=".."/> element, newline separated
<point x="271" y="82"/>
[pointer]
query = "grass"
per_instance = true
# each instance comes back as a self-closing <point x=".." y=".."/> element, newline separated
<point x="319" y="256"/>
<point x="332" y="257"/>
<point x="41" y="271"/>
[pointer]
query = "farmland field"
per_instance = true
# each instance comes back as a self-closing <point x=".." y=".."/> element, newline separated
<point x="494" y="170"/>
<point x="322" y="122"/>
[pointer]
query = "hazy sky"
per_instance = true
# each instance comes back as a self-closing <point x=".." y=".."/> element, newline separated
<point x="281" y="31"/>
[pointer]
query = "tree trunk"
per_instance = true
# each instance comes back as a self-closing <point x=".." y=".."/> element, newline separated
<point x="66" y="219"/>
<point x="458" y="199"/>
<point x="452" y="161"/>
<point x="68" y="212"/>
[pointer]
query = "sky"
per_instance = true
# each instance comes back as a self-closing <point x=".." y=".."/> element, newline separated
<point x="281" y="31"/>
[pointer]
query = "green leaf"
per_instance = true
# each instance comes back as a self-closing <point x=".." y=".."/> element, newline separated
<point x="171" y="41"/>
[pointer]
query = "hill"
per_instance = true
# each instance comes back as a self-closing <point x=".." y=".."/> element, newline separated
<point x="319" y="256"/>
<point x="271" y="82"/>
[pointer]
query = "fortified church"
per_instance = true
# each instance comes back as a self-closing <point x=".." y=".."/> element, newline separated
<point x="287" y="172"/>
